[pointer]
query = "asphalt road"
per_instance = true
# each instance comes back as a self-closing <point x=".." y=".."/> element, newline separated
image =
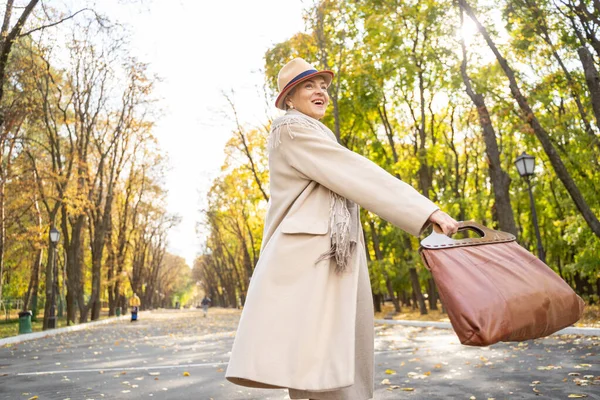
<point x="181" y="355"/>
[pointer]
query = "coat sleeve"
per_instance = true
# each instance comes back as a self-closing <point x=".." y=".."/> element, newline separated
<point x="354" y="177"/>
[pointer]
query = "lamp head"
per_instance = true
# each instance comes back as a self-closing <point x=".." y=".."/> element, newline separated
<point x="54" y="235"/>
<point x="525" y="164"/>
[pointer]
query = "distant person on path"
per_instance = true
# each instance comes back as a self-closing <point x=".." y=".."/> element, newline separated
<point x="205" y="303"/>
<point x="307" y="323"/>
<point x="134" y="303"/>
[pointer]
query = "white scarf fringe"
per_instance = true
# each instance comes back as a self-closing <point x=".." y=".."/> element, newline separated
<point x="343" y="213"/>
<point x="293" y="118"/>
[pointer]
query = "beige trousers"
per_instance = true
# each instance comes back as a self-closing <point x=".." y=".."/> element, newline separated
<point x="362" y="389"/>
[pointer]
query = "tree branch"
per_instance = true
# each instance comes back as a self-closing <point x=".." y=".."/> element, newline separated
<point x="39" y="28"/>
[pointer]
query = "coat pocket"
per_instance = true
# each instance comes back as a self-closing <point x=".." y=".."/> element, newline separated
<point x="310" y="227"/>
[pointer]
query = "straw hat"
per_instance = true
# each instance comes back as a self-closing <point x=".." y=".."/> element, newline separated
<point x="293" y="73"/>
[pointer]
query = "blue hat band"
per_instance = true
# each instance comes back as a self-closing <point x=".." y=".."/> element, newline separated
<point x="298" y="77"/>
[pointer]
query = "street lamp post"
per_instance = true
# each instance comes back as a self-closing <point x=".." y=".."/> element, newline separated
<point x="525" y="165"/>
<point x="54" y="237"/>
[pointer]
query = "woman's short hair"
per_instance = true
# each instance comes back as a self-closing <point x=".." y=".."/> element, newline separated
<point x="290" y="94"/>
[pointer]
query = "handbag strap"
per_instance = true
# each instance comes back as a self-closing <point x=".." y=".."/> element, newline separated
<point x="437" y="240"/>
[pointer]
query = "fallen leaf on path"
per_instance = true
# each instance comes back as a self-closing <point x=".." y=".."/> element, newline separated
<point x="407" y="389"/>
<point x="550" y="367"/>
<point x="577" y="396"/>
<point x="186" y="374"/>
<point x="415" y="375"/>
<point x="33" y="398"/>
<point x="390" y="372"/>
<point x="385" y="382"/>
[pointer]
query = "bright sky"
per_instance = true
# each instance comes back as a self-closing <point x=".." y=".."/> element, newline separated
<point x="200" y="49"/>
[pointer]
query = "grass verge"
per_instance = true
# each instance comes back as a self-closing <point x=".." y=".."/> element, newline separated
<point x="11" y="327"/>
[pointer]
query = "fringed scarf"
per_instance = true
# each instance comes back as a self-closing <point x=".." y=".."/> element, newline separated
<point x="343" y="213"/>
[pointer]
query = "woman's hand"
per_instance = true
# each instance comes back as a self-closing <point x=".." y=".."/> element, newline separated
<point x="447" y="223"/>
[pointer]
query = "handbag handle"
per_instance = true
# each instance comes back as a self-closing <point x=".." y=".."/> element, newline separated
<point x="438" y="240"/>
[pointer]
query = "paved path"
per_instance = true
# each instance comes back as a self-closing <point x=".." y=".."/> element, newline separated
<point x="181" y="355"/>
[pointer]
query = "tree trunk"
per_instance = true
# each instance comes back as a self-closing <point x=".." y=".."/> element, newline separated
<point x="390" y="289"/>
<point x="499" y="178"/>
<point x="432" y="294"/>
<point x="593" y="82"/>
<point x="77" y="254"/>
<point x="589" y="23"/>
<point x="406" y="299"/>
<point x="413" y="299"/>
<point x="579" y="284"/>
<point x="424" y="169"/>
<point x="49" y="284"/>
<point x="2" y="229"/>
<point x="94" y="304"/>
<point x="377" y="302"/>
<point x="7" y="39"/>
<point x="34" y="283"/>
<point x="379" y="258"/>
<point x="74" y="248"/>
<point x="110" y="274"/>
<point x="540" y="132"/>
<point x="334" y="88"/>
<point x="542" y="27"/>
<point x="416" y="286"/>
<point x="100" y="234"/>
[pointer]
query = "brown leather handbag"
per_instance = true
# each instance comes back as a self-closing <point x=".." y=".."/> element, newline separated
<point x="494" y="290"/>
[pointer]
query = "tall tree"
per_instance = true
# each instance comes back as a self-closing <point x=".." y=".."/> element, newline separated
<point x="529" y="116"/>
<point x="499" y="178"/>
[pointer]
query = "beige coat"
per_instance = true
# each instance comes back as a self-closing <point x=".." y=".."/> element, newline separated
<point x="298" y="323"/>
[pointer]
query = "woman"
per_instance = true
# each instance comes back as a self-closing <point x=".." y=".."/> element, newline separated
<point x="307" y="324"/>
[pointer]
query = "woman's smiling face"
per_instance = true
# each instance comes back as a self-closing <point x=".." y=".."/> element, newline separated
<point x="310" y="97"/>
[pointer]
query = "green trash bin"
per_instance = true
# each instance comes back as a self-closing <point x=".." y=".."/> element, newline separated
<point x="25" y="322"/>
<point x="118" y="311"/>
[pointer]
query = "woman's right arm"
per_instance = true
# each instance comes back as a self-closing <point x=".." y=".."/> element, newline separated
<point x="356" y="178"/>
